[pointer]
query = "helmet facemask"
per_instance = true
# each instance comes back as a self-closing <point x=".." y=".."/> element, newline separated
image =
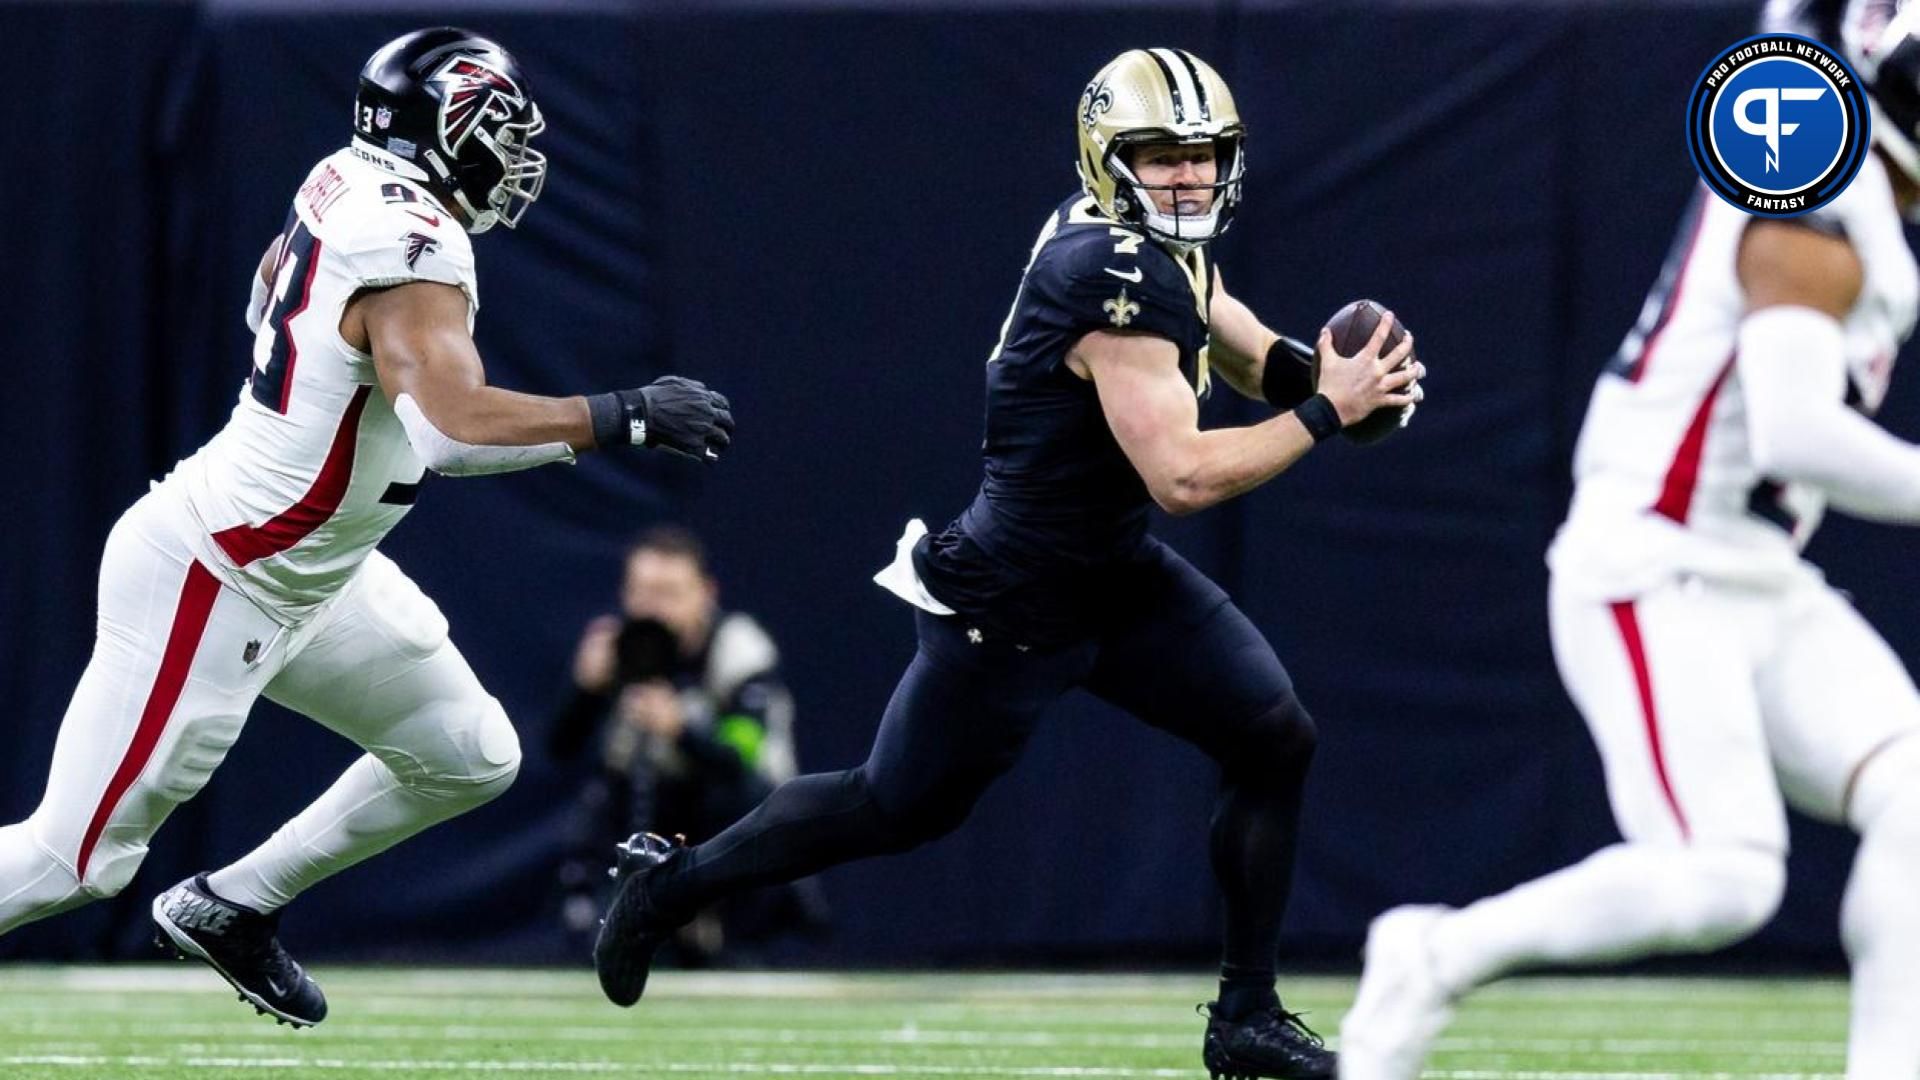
<point x="1184" y="231"/>
<point x="523" y="172"/>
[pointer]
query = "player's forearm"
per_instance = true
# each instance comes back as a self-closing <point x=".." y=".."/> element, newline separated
<point x="1861" y="468"/>
<point x="480" y="431"/>
<point x="1226" y="462"/>
<point x="1792" y="371"/>
<point x="1241" y="373"/>
<point x="1239" y="344"/>
<point x="491" y="416"/>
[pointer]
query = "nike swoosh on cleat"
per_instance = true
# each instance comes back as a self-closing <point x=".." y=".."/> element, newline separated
<point x="1133" y="277"/>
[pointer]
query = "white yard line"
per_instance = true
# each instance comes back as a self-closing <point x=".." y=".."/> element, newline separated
<point x="797" y="1069"/>
<point x="917" y="1036"/>
<point x="1569" y="1075"/>
<point x="601" y="1067"/>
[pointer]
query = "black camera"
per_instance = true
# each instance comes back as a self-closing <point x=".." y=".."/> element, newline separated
<point x="645" y="651"/>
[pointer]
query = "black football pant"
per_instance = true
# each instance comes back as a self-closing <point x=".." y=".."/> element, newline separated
<point x="1180" y="657"/>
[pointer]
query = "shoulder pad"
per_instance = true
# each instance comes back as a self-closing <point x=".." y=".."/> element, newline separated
<point x="1111" y="277"/>
<point x="387" y="232"/>
<point x="410" y="242"/>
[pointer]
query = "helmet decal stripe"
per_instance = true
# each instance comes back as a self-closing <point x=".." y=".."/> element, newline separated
<point x="1173" y="83"/>
<point x="1199" y="84"/>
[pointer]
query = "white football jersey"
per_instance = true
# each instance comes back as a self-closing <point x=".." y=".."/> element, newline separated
<point x="313" y="468"/>
<point x="1665" y="479"/>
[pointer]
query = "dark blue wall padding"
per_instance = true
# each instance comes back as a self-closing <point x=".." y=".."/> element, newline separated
<point x="823" y="209"/>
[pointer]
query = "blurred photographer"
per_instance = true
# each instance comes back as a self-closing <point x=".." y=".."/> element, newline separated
<point x="692" y="725"/>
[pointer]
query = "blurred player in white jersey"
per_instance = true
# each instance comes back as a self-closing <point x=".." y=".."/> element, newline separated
<point x="1722" y="678"/>
<point x="251" y="569"/>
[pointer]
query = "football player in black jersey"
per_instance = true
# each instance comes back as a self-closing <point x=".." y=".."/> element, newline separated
<point x="1049" y="580"/>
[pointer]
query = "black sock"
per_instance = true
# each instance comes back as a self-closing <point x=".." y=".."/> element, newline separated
<point x="808" y="824"/>
<point x="1244" y="993"/>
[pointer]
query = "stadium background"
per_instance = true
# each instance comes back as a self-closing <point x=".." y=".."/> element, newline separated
<point x="822" y="208"/>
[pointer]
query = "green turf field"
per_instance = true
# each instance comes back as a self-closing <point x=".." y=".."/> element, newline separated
<point x="176" y="1021"/>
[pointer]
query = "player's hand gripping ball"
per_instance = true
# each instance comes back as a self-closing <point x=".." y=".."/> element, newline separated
<point x="1351" y="327"/>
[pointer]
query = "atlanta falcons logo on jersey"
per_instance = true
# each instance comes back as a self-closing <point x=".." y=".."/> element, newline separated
<point x="418" y="245"/>
<point x="472" y="90"/>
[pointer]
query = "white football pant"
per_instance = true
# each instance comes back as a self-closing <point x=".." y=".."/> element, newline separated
<point x="1713" y="709"/>
<point x="178" y="660"/>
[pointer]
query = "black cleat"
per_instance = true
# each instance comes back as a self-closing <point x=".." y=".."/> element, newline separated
<point x="1270" y="1043"/>
<point x="240" y="944"/>
<point x="632" y="931"/>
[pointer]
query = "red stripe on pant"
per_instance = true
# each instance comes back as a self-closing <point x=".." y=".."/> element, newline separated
<point x="1629" y="624"/>
<point x="189" y="623"/>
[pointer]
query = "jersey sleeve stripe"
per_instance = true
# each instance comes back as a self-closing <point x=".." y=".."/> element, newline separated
<point x="1683" y="475"/>
<point x="245" y="544"/>
<point x="197" y="594"/>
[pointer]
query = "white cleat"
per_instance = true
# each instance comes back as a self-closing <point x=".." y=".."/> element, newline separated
<point x="1401" y="1006"/>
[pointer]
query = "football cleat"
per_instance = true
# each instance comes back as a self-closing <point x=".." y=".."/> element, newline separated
<point x="1401" y="1006"/>
<point x="1270" y="1043"/>
<point x="632" y="931"/>
<point x="240" y="944"/>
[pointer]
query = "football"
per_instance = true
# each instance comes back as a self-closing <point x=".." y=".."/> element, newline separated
<point x="1351" y="327"/>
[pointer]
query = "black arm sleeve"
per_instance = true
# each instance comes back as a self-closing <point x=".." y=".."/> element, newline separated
<point x="1287" y="378"/>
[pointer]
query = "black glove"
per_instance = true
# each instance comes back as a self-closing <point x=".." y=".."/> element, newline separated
<point x="671" y="413"/>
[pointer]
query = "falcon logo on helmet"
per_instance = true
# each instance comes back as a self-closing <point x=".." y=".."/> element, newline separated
<point x="450" y="110"/>
<point x="472" y="91"/>
<point x="1159" y="96"/>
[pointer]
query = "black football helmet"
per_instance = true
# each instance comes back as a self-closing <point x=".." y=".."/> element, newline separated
<point x="1892" y="70"/>
<point x="1881" y="39"/>
<point x="450" y="110"/>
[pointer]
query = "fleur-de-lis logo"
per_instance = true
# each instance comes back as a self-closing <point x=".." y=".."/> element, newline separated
<point x="1120" y="310"/>
<point x="1095" y="102"/>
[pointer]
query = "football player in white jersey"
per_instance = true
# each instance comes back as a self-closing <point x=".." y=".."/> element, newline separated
<point x="251" y="569"/>
<point x="1722" y="678"/>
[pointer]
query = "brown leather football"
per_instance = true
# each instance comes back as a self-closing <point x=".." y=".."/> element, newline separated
<point x="1352" y="326"/>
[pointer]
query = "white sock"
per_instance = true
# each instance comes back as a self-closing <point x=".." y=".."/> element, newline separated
<point x="1622" y="902"/>
<point x="1881" y="926"/>
<point x="365" y="812"/>
<point x="33" y="884"/>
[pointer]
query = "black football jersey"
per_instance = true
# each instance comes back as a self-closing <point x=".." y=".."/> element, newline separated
<point x="1060" y="504"/>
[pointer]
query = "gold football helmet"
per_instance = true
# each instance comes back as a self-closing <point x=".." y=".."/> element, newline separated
<point x="1159" y="95"/>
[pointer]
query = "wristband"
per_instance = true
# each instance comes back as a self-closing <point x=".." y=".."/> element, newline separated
<point x="1286" y="379"/>
<point x="1319" y="417"/>
<point x="613" y="421"/>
